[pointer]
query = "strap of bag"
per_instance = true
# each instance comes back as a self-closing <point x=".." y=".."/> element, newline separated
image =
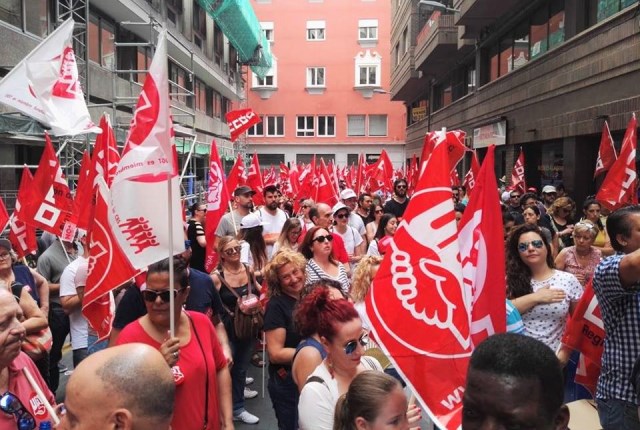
<point x="315" y="378"/>
<point x="16" y="290"/>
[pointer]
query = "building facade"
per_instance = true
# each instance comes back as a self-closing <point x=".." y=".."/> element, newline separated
<point x="113" y="55"/>
<point x="327" y="92"/>
<point x="536" y="75"/>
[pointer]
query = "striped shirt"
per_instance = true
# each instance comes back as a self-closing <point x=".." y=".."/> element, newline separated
<point x="315" y="273"/>
<point x="514" y="319"/>
<point x="621" y="316"/>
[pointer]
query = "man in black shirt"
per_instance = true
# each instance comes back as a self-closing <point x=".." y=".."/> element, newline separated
<point x="195" y="233"/>
<point x="399" y="201"/>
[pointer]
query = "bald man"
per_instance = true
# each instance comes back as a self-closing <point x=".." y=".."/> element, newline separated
<point x="128" y="387"/>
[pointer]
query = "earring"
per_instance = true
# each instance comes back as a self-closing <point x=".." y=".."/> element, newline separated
<point x="330" y="366"/>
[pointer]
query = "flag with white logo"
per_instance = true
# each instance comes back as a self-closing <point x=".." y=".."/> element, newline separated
<point x="217" y="202"/>
<point x="240" y="121"/>
<point x="23" y="236"/>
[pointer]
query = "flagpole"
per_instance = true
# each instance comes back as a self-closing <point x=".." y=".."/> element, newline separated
<point x="233" y="220"/>
<point x="172" y="313"/>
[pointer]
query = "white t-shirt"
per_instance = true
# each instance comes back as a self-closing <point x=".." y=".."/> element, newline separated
<point x="318" y="399"/>
<point x="273" y="224"/>
<point x="356" y="222"/>
<point x="351" y="238"/>
<point x="77" y="322"/>
<point x="546" y="322"/>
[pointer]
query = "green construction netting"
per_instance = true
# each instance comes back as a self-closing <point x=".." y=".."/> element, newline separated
<point x="239" y="23"/>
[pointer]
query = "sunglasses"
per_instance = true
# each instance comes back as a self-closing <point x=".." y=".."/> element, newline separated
<point x="566" y="209"/>
<point x="515" y="197"/>
<point x="351" y="346"/>
<point x="11" y="404"/>
<point x="150" y="295"/>
<point x="342" y="216"/>
<point x="401" y="186"/>
<point x="321" y="239"/>
<point x="202" y="210"/>
<point x="537" y="244"/>
<point x="379" y="211"/>
<point x="234" y="250"/>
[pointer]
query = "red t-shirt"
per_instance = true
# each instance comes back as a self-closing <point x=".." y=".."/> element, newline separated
<point x="19" y="385"/>
<point x="339" y="252"/>
<point x="188" y="413"/>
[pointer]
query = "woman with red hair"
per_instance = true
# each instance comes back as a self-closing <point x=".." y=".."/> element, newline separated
<point x="343" y="338"/>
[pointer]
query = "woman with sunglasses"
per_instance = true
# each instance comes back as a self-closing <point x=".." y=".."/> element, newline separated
<point x="532" y="216"/>
<point x="303" y="214"/>
<point x="231" y="273"/>
<point x="592" y="210"/>
<point x="285" y="279"/>
<point x="353" y="241"/>
<point x="317" y="248"/>
<point x="376" y="213"/>
<point x="386" y="229"/>
<point x="203" y="383"/>
<point x="288" y="239"/>
<point x="543" y="296"/>
<point x="343" y="338"/>
<point x="561" y="214"/>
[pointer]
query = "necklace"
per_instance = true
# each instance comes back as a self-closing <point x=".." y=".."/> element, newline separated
<point x="235" y="272"/>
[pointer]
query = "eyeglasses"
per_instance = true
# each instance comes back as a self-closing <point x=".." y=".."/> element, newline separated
<point x="321" y="239"/>
<point x="537" y="244"/>
<point x="234" y="250"/>
<point x="150" y="295"/>
<point x="517" y="196"/>
<point x="202" y="210"/>
<point x="379" y="211"/>
<point x="401" y="186"/>
<point x="341" y="216"/>
<point x="351" y="346"/>
<point x="11" y="404"/>
<point x="5" y="256"/>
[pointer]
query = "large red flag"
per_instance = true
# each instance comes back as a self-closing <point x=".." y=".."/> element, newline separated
<point x="482" y="253"/>
<point x="307" y="179"/>
<point x="83" y="202"/>
<point x="237" y="175"/>
<point x="360" y="181"/>
<point x="454" y="141"/>
<point x="412" y="175"/>
<point x="619" y="187"/>
<point x="585" y="333"/>
<point x="254" y="180"/>
<point x="109" y="267"/>
<point x="380" y="173"/>
<point x="240" y="120"/>
<point x="606" y="152"/>
<point x="4" y="216"/>
<point x="471" y="177"/>
<point x="23" y="236"/>
<point x="325" y="192"/>
<point x="105" y="153"/>
<point x="217" y="202"/>
<point x="517" y="174"/>
<point x="417" y="302"/>
<point x="48" y="206"/>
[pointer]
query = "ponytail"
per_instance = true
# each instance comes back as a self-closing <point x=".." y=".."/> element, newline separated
<point x="342" y="419"/>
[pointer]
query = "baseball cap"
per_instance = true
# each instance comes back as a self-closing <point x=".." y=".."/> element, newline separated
<point x="242" y="190"/>
<point x="347" y="193"/>
<point x="548" y="189"/>
<point x="338" y="206"/>
<point x="4" y="243"/>
<point x="251" y="220"/>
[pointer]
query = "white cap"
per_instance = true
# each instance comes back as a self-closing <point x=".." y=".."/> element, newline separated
<point x="252" y="220"/>
<point x="505" y="196"/>
<point x="549" y="189"/>
<point x="347" y="193"/>
<point x="339" y="206"/>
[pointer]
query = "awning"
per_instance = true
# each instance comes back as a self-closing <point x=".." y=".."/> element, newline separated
<point x="239" y="23"/>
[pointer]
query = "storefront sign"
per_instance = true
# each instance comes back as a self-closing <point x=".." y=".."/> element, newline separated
<point x="418" y="113"/>
<point x="490" y="134"/>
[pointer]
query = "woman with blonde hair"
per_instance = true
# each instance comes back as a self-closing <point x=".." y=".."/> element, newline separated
<point x="561" y="213"/>
<point x="362" y="277"/>
<point x="288" y="239"/>
<point x="582" y="258"/>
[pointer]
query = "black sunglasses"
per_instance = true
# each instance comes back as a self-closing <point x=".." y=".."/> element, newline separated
<point x="321" y="239"/>
<point x="342" y="215"/>
<point x="351" y="346"/>
<point x="234" y="250"/>
<point x="379" y="211"/>
<point x="11" y="404"/>
<point x="150" y="295"/>
<point x="401" y="186"/>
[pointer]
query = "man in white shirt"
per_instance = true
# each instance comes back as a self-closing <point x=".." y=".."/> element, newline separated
<point x="350" y="199"/>
<point x="272" y="216"/>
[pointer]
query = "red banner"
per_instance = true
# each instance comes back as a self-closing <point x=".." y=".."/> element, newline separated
<point x="4" y="216"/>
<point x="606" y="152"/>
<point x="241" y="120"/>
<point x="517" y="174"/>
<point x="254" y="180"/>
<point x="23" y="236"/>
<point x="217" y="203"/>
<point x="471" y="177"/>
<point x="325" y="193"/>
<point x="237" y="175"/>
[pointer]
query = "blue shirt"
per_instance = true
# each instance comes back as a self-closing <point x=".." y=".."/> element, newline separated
<point x="514" y="319"/>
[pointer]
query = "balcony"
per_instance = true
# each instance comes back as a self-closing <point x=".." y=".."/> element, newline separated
<point x="475" y="14"/>
<point x="436" y="45"/>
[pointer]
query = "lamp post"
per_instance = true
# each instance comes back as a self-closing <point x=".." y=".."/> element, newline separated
<point x="436" y="5"/>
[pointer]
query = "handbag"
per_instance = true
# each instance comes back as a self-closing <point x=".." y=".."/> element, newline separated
<point x="248" y="315"/>
<point x="36" y="345"/>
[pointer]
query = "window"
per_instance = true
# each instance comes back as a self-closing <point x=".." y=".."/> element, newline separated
<point x="407" y="42"/>
<point x="201" y="95"/>
<point x="275" y="126"/>
<point x="315" y="30"/>
<point x="327" y="125"/>
<point x="267" y="29"/>
<point x="174" y="10"/>
<point x="606" y="8"/>
<point x="28" y="15"/>
<point x="218" y="44"/>
<point x="305" y="126"/>
<point x="368" y="75"/>
<point x="101" y="42"/>
<point x="368" y="29"/>
<point x="315" y="77"/>
<point x="257" y="129"/>
<point x="368" y="68"/>
<point x="355" y="125"/>
<point x="547" y="28"/>
<point x="377" y="125"/>
<point x="270" y="79"/>
<point x="199" y="25"/>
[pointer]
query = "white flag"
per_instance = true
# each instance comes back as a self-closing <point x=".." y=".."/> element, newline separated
<point x="45" y="86"/>
<point x="140" y="196"/>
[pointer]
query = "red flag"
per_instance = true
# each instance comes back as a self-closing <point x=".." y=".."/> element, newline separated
<point x="416" y="302"/>
<point x="23" y="236"/>
<point x="269" y="177"/>
<point x="454" y="141"/>
<point x="360" y="175"/>
<point x="217" y="202"/>
<point x="482" y="254"/>
<point x="294" y="180"/>
<point x="517" y="174"/>
<point x="105" y="153"/>
<point x="4" y="216"/>
<point x="237" y="176"/>
<point x="412" y="175"/>
<point x="109" y="267"/>
<point x="254" y="180"/>
<point x="241" y="120"/>
<point x="307" y="178"/>
<point x="606" y="152"/>
<point x="380" y="173"/>
<point x="48" y="205"/>
<point x="325" y="193"/>
<point x="471" y="177"/>
<point x="585" y="333"/>
<point x="83" y="203"/>
<point x="620" y="185"/>
<point x="455" y="179"/>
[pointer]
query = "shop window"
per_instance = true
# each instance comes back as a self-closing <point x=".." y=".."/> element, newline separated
<point x="356" y="125"/>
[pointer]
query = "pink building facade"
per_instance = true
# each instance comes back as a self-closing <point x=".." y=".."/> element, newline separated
<point x="326" y="93"/>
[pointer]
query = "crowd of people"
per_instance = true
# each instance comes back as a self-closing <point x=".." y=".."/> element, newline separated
<point x="294" y="283"/>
